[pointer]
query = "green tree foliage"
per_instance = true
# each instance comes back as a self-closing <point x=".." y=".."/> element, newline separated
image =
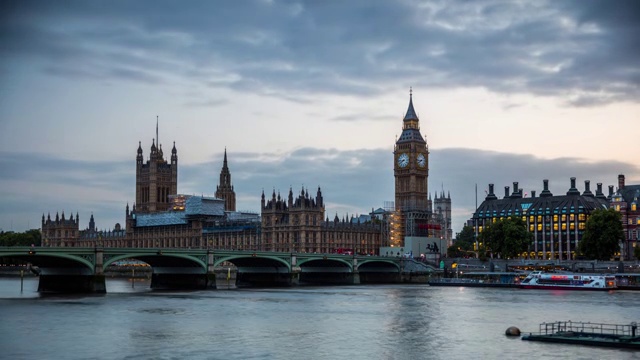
<point x="463" y="246"/>
<point x="507" y="237"/>
<point x="27" y="238"/>
<point x="466" y="236"/>
<point x="636" y="252"/>
<point x="602" y="235"/>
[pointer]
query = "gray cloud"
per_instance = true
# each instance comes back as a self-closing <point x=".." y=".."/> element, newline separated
<point x="352" y="181"/>
<point x="584" y="52"/>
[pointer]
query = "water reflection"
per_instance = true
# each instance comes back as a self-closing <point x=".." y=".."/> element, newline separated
<point x="373" y="322"/>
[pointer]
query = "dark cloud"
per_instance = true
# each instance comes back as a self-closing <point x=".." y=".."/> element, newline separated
<point x="585" y="52"/>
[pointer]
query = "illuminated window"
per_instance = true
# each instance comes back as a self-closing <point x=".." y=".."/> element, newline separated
<point x="555" y="218"/>
<point x="617" y="207"/>
<point x="572" y="226"/>
<point x="555" y="227"/>
<point x="531" y="227"/>
<point x="572" y="217"/>
<point x="494" y="219"/>
<point x="564" y="226"/>
<point x="581" y="226"/>
<point x="479" y="228"/>
<point x="524" y="219"/>
<point x="564" y="217"/>
<point x="582" y="217"/>
<point x="633" y="207"/>
<point x="539" y="227"/>
<point x="539" y="218"/>
<point x="638" y="221"/>
<point x="630" y="221"/>
<point x="532" y="218"/>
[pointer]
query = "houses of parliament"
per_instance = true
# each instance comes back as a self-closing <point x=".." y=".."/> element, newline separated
<point x="297" y="222"/>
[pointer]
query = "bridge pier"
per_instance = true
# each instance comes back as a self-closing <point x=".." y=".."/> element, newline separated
<point x="72" y="283"/>
<point x="225" y="279"/>
<point x="179" y="281"/>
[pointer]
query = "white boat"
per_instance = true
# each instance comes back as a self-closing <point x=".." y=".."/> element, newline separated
<point x="542" y="280"/>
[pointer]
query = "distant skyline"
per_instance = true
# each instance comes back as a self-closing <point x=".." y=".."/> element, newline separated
<point x="312" y="94"/>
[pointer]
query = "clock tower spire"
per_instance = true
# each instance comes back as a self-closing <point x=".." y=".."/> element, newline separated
<point x="411" y="172"/>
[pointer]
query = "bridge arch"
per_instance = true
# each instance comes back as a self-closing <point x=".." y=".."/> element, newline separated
<point x="363" y="264"/>
<point x="325" y="261"/>
<point x="249" y="260"/>
<point x="152" y="257"/>
<point x="46" y="259"/>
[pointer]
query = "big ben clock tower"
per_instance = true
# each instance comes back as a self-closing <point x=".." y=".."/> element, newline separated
<point x="411" y="164"/>
<point x="411" y="171"/>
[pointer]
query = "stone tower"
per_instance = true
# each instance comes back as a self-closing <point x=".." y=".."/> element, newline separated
<point x="156" y="180"/>
<point x="293" y="224"/>
<point x="411" y="165"/>
<point x="411" y="172"/>
<point x="442" y="207"/>
<point x="225" y="190"/>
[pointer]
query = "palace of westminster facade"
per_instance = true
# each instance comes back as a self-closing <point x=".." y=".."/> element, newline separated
<point x="160" y="217"/>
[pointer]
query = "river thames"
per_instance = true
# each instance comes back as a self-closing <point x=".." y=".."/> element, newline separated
<point x="348" y="322"/>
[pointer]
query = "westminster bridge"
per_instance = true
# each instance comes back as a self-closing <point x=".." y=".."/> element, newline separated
<point x="72" y="269"/>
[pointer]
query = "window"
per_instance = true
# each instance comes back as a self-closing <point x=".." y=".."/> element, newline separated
<point x="555" y="227"/>
<point x="555" y="218"/>
<point x="531" y="227"/>
<point x="617" y="207"/>
<point x="539" y="227"/>
<point x="564" y="226"/>
<point x="539" y="218"/>
<point x="581" y="226"/>
<point x="572" y="217"/>
<point x="564" y="217"/>
<point x="633" y="207"/>
<point x="582" y="217"/>
<point x="572" y="226"/>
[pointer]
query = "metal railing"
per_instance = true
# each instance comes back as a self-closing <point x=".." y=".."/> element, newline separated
<point x="587" y="328"/>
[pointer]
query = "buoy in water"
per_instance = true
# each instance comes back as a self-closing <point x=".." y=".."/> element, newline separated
<point x="512" y="331"/>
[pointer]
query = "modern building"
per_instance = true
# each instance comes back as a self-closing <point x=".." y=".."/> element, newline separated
<point x="556" y="221"/>
<point x="625" y="200"/>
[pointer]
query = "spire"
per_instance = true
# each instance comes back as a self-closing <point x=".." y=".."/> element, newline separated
<point x="411" y="113"/>
<point x="224" y="163"/>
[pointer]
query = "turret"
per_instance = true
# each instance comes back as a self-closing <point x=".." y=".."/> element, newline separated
<point x="319" y="200"/>
<point x="174" y="155"/>
<point x="573" y="190"/>
<point x="545" y="190"/>
<point x="587" y="190"/>
<point x="139" y="158"/>
<point x="491" y="195"/>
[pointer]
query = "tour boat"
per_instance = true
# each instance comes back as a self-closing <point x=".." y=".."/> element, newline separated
<point x="542" y="280"/>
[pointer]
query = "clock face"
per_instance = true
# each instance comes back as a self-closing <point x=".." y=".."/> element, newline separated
<point x="403" y="160"/>
<point x="422" y="161"/>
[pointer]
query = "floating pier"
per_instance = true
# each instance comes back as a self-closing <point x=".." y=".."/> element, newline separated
<point x="587" y="333"/>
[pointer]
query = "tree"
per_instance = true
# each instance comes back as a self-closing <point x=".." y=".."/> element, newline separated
<point x="507" y="237"/>
<point x="636" y="252"/>
<point x="602" y="235"/>
<point x="27" y="238"/>
<point x="466" y="236"/>
<point x="464" y="243"/>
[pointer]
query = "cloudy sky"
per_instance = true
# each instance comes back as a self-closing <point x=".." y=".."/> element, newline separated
<point x="311" y="93"/>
